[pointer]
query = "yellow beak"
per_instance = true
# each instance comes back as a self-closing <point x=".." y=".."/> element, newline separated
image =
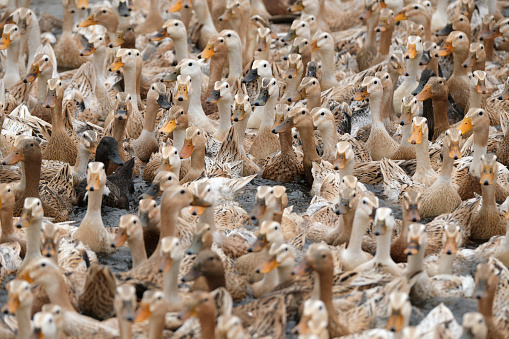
<point x="90" y="21"/>
<point x="446" y="49"/>
<point x="187" y="149"/>
<point x="268" y="266"/>
<point x="416" y="136"/>
<point x="168" y="127"/>
<point x="116" y="65"/>
<point x="361" y="94"/>
<point x="466" y="125"/>
<point x="425" y="94"/>
<point x="5" y="41"/>
<point x="411" y="51"/>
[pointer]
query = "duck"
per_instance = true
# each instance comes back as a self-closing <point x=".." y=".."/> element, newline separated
<point x="153" y="21"/>
<point x="314" y="320"/>
<point x="150" y="219"/>
<point x="424" y="172"/>
<point x="11" y="38"/>
<point x="236" y="13"/>
<point x="31" y="217"/>
<point x="301" y="118"/>
<point x="285" y="165"/>
<point x="367" y="53"/>
<point x="67" y="47"/>
<point x="130" y="229"/>
<point x="476" y="59"/>
<point x="386" y="24"/>
<point x="281" y="261"/>
<point x="293" y="75"/>
<point x="28" y="152"/>
<point x="125" y="37"/>
<point x="314" y="8"/>
<point x="176" y="31"/>
<point x="194" y="147"/>
<point x="437" y="90"/>
<point x="379" y="144"/>
<point x="259" y="69"/>
<point x="474" y="325"/>
<point x="19" y="303"/>
<point x="146" y="144"/>
<point x="439" y="17"/>
<point x="412" y="56"/>
<point x="176" y="123"/>
<point x="487" y="26"/>
<point x="265" y="142"/>
<point x="323" y="121"/>
<point x="324" y="44"/>
<point x="409" y="110"/>
<point x="496" y="246"/>
<point x="25" y="19"/>
<point x="222" y="96"/>
<point x="60" y="146"/>
<point x="104" y="16"/>
<point x="7" y="201"/>
<point x="309" y="89"/>
<point x="125" y="305"/>
<point x="91" y="231"/>
<point x="458" y="44"/>
<point x="419" y="14"/>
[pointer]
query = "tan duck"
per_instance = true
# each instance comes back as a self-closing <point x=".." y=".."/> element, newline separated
<point x="117" y="126"/>
<point x="130" y="230"/>
<point x="458" y="44"/>
<point x="418" y="13"/>
<point x="125" y="37"/>
<point x="474" y="325"/>
<point x="379" y="144"/>
<point x="487" y="222"/>
<point x="7" y="200"/>
<point x="153" y="21"/>
<point x="301" y="118"/>
<point x="293" y="75"/>
<point x="146" y="144"/>
<point x="367" y="53"/>
<point x="497" y="247"/>
<point x="125" y="305"/>
<point x="277" y="269"/>
<point x="386" y="24"/>
<point x="409" y="110"/>
<point x="42" y="69"/>
<point x="91" y="231"/>
<point x="476" y="59"/>
<point x="60" y="146"/>
<point x="68" y="48"/>
<point x="150" y="219"/>
<point x="194" y="147"/>
<point x="177" y="124"/>
<point x="324" y="44"/>
<point x="11" y="39"/>
<point x="32" y="219"/>
<point x="410" y="207"/>
<point x="323" y="120"/>
<point x="284" y="166"/>
<point x="19" y="303"/>
<point x="28" y="152"/>
<point x="222" y="96"/>
<point x="309" y="88"/>
<point x="104" y="16"/>
<point x="487" y="26"/>
<point x="176" y="30"/>
<point x="314" y="321"/>
<point x="436" y="89"/>
<point x="424" y="172"/>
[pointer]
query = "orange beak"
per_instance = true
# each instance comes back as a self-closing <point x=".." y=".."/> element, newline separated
<point x="296" y="7"/>
<point x="425" y="94"/>
<point x="176" y="7"/>
<point x="303" y="268"/>
<point x="481" y="88"/>
<point x="285" y="126"/>
<point x="160" y="35"/>
<point x="5" y="41"/>
<point x="83" y="4"/>
<point x="487" y="176"/>
<point x="454" y="152"/>
<point x="13" y="158"/>
<point x="207" y="52"/>
<point x="12" y="304"/>
<point x="197" y="210"/>
<point x="32" y="74"/>
<point x="411" y="51"/>
<point x="90" y="21"/>
<point x="94" y="183"/>
<point x="340" y="161"/>
<point x="48" y="249"/>
<point x="118" y="40"/>
<point x="401" y="16"/>
<point x="494" y="33"/>
<point x="89" y="50"/>
<point x="168" y="127"/>
<point x="25" y="219"/>
<point x="395" y="323"/>
<point x="166" y="265"/>
<point x="362" y="94"/>
<point x="412" y="247"/>
<point x="120" y="239"/>
<point x="416" y="136"/>
<point x="25" y="275"/>
<point x="446" y="49"/>
<point x="187" y="149"/>
<point x="450" y="246"/>
<point x="466" y="125"/>
<point x="268" y="266"/>
<point x="116" y="65"/>
<point x="314" y="46"/>
<point x="143" y="313"/>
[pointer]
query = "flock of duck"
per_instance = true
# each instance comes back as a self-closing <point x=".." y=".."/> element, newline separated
<point x="374" y="103"/>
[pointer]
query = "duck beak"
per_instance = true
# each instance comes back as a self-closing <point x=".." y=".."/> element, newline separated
<point x="83" y="4"/>
<point x="314" y="46"/>
<point x="382" y="25"/>
<point x="51" y="99"/>
<point x="238" y="113"/>
<point x="187" y="149"/>
<point x="450" y="246"/>
<point x="165" y="265"/>
<point x="395" y="322"/>
<point x="162" y="101"/>
<point x="366" y="13"/>
<point x="260" y="243"/>
<point x="70" y="7"/>
<point x="416" y="136"/>
<point x="465" y="126"/>
<point x="120" y="239"/>
<point x="268" y="266"/>
<point x="90" y="21"/>
<point x="277" y="121"/>
<point x="116" y="65"/>
<point x="287" y="125"/>
<point x="262" y="97"/>
<point x="196" y="245"/>
<point x="168" y="127"/>
<point x="115" y="158"/>
<point x="412" y="247"/>
<point x="5" y="41"/>
<point x="494" y="33"/>
<point x="382" y="4"/>
<point x="454" y="152"/>
<point x="361" y="94"/>
<point x="258" y="210"/>
<point x="425" y="94"/>
<point x="481" y="289"/>
<point x="340" y="161"/>
<point x="197" y="210"/>
<point x="290" y="35"/>
<point x="445" y="31"/>
<point x="32" y="74"/>
<point x="470" y="61"/>
<point x="123" y="9"/>
<point x="425" y="58"/>
<point x="296" y="7"/>
<point x="152" y="192"/>
<point x="172" y="76"/>
<point x="160" y="35"/>
<point x="89" y="50"/>
<point x="95" y="182"/>
<point x="48" y="249"/>
<point x="13" y="158"/>
<point x="192" y="275"/>
<point x="302" y="326"/>
<point x="227" y="15"/>
<point x="37" y="333"/>
<point x="187" y="313"/>
<point x="252" y="76"/>
<point x="401" y="68"/>
<point x="411" y="51"/>
<point x="303" y="268"/>
<point x="181" y="94"/>
<point x="25" y="275"/>
<point x="118" y="40"/>
<point x="261" y="46"/>
<point x="446" y="49"/>
<point x="199" y="202"/>
<point x="25" y="219"/>
<point x="505" y="94"/>
<point x="207" y="52"/>
<point x="413" y="214"/>
<point x="176" y="7"/>
<point x="121" y="112"/>
<point x="380" y="228"/>
<point x="215" y="97"/>
<point x="487" y="176"/>
<point x="292" y="71"/>
<point x="401" y="16"/>
<point x="299" y="95"/>
<point x="481" y="88"/>
<point x="12" y="304"/>
<point x="143" y="313"/>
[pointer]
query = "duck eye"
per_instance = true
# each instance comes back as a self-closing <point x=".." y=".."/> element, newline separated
<point x="43" y="264"/>
<point x="198" y="133"/>
<point x="104" y="11"/>
<point x="229" y="35"/>
<point x="440" y="82"/>
<point x="480" y="113"/>
<point x="38" y="203"/>
<point x="482" y="47"/>
<point x="176" y="24"/>
<point x="129" y="53"/>
<point x="134" y="221"/>
<point x="190" y="64"/>
<point x="314" y="82"/>
<point x="375" y="82"/>
<point x="415" y="7"/>
<point x="276" y="228"/>
<point x="364" y="202"/>
<point x="461" y="36"/>
<point x="322" y="114"/>
<point x="46" y="59"/>
<point x="323" y="256"/>
<point x="182" y="192"/>
<point x="227" y="86"/>
<point x="159" y="298"/>
<point x="302" y="25"/>
<point x="208" y="190"/>
<point x="175" y="152"/>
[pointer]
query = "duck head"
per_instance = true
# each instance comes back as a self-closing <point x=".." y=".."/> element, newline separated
<point x="94" y="42"/>
<point x="414" y="48"/>
<point x="162" y="181"/>
<point x="41" y="63"/>
<point x="478" y="82"/>
<point x="173" y="28"/>
<point x="384" y="221"/>
<point x="409" y="110"/>
<point x="153" y="304"/>
<point x="171" y="250"/>
<point x="147" y="211"/>
<point x="202" y="239"/>
<point x="96" y="176"/>
<point x="124" y="56"/>
<point x="344" y="155"/>
<point x="298" y="28"/>
<point x="385" y="20"/>
<point x="104" y="16"/>
<point x="157" y="93"/>
<point x="54" y="91"/>
<point x="474" y="326"/>
<point x="129" y="227"/>
<point x="264" y="199"/>
<point x="263" y="39"/>
<point x="208" y="265"/>
<point x="241" y="107"/>
<point x="50" y="240"/>
<point x="20" y="296"/>
<point x="295" y="66"/>
<point x="411" y="205"/>
<point x="474" y="118"/>
<point x="298" y="116"/>
<point x="396" y="63"/>
<point x="436" y="87"/>
<point x="314" y="319"/>
<point x="270" y="233"/>
<point x="489" y="169"/>
<point x="476" y="54"/>
<point x="107" y="151"/>
<point x="451" y="239"/>
<point x="125" y="302"/>
<point x="32" y="210"/>
<point x="452" y="143"/>
<point x="318" y="259"/>
<point x="11" y="32"/>
<point x="221" y="90"/>
<point x="194" y="139"/>
<point x="177" y="6"/>
<point x="169" y="159"/>
<point x="89" y="141"/>
<point x="202" y="306"/>
<point x="7" y="198"/>
<point x="419" y="130"/>
<point x="25" y="148"/>
<point x="400" y="310"/>
<point x="307" y="85"/>
<point x="44" y="325"/>
<point x="269" y="88"/>
<point x="370" y="86"/>
<point x="279" y="255"/>
<point x="177" y="118"/>
<point x="416" y="239"/>
<point x="347" y="195"/>
<point x="456" y="41"/>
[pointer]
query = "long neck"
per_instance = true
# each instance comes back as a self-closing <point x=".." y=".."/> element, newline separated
<point x="82" y="159"/>
<point x="201" y="8"/>
<point x="171" y="282"/>
<point x="327" y="60"/>
<point x="118" y="133"/>
<point x="308" y="144"/>
<point x="459" y="58"/>
<point x="57" y="293"/>
<point x="285" y="141"/>
<point x="235" y="60"/>
<point x="445" y="173"/>
<point x="95" y="199"/>
<point x="216" y="72"/>
<point x="422" y="155"/>
<point x="138" y="253"/>
<point x="68" y="23"/>
<point x="180" y="49"/>
<point x="98" y="62"/>
<point x="441" y="6"/>
<point x="195" y="97"/>
<point x="240" y="130"/>
<point x="33" y="241"/>
<point x="405" y="135"/>
<point x="224" y="108"/>
<point x="168" y="222"/>
<point x="42" y="81"/>
<point x="329" y="138"/>
<point x="313" y="100"/>
<point x="156" y="326"/>
<point x="361" y="220"/>
<point x="412" y="67"/>
<point x="125" y="329"/>
<point x="13" y="57"/>
<point x="375" y="106"/>
<point x="57" y="120"/>
<point x="6" y="221"/>
<point x="326" y="282"/>
<point x="386" y="106"/>
<point x="445" y="263"/>
<point x="208" y="327"/>
<point x="32" y="175"/>
<point x="23" y="319"/>
<point x="440" y="111"/>
<point x="179" y="136"/>
<point x="480" y="148"/>
<point x="370" y="33"/>
<point x="383" y="246"/>
<point x="415" y="262"/>
<point x="488" y="197"/>
<point x="475" y="98"/>
<point x="485" y="305"/>
<point x="385" y="41"/>
<point x="150" y="115"/>
<point x="198" y="158"/>
<point x="269" y="113"/>
<point x="130" y="83"/>
<point x="208" y="217"/>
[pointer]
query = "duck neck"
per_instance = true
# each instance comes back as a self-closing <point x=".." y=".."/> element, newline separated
<point x="82" y="159"/>
<point x="150" y="115"/>
<point x="480" y="149"/>
<point x="447" y="165"/>
<point x="207" y="217"/>
<point x="208" y="325"/>
<point x="459" y="70"/>
<point x="415" y="262"/>
<point x="313" y="100"/>
<point x="171" y="283"/>
<point x="375" y="106"/>
<point x="33" y="250"/>
<point x="180" y="49"/>
<point x="42" y="82"/>
<point x="138" y="253"/>
<point x="488" y="197"/>
<point x="235" y="60"/>
<point x="224" y="110"/>
<point x="125" y="328"/>
<point x="329" y="139"/>
<point x="348" y="219"/>
<point x="413" y="67"/>
<point x="370" y="33"/>
<point x="485" y="305"/>
<point x="422" y="155"/>
<point x="31" y="176"/>
<point x="198" y="159"/>
<point x="358" y="229"/>
<point x="445" y="263"/>
<point x="13" y="59"/>
<point x="385" y="41"/>
<point x="118" y="133"/>
<point x="95" y="199"/>
<point x="23" y="319"/>
<point x="130" y="83"/>
<point x="326" y="282"/>
<point x="328" y="67"/>
<point x="405" y="135"/>
<point x="169" y="218"/>
<point x="179" y="136"/>
<point x="269" y="112"/>
<point x="156" y="326"/>
<point x="386" y="107"/>
<point x="98" y="62"/>
<point x="285" y="141"/>
<point x="6" y="221"/>
<point x="440" y="111"/>
<point x="217" y="62"/>
<point x="195" y="110"/>
<point x="68" y="23"/>
<point x="57" y="120"/>
<point x="308" y="144"/>
<point x="202" y="11"/>
<point x="383" y="246"/>
<point x="240" y="129"/>
<point x="57" y="292"/>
